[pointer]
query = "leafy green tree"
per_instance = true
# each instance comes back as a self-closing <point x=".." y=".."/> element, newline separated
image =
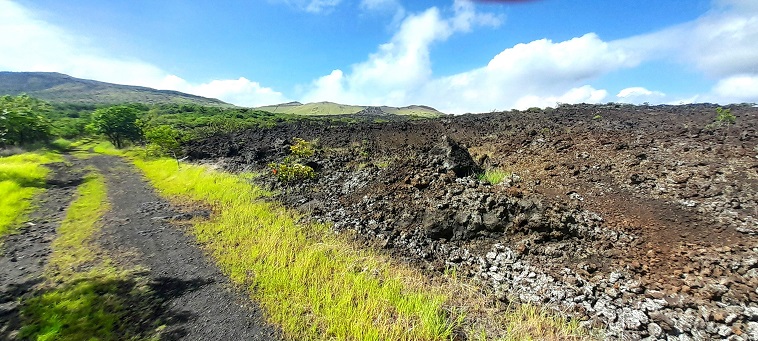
<point x="164" y="140"/>
<point x="118" y="123"/>
<point x="22" y="120"/>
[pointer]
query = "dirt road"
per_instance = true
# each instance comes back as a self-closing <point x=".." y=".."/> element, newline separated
<point x="191" y="297"/>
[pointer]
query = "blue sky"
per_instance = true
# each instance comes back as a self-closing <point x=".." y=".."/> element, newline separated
<point x="458" y="56"/>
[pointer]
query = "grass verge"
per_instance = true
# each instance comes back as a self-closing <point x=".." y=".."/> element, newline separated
<point x="21" y="177"/>
<point x="85" y="296"/>
<point x="312" y="283"/>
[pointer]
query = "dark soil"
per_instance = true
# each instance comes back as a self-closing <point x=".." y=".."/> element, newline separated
<point x="638" y="219"/>
<point x="24" y="254"/>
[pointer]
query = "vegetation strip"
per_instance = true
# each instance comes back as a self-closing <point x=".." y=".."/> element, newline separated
<point x="21" y="177"/>
<point x="85" y="296"/>
<point x="312" y="283"/>
<point x="73" y="247"/>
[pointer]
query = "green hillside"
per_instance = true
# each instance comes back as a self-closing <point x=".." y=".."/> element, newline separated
<point x="320" y="108"/>
<point x="329" y="108"/>
<point x="59" y="88"/>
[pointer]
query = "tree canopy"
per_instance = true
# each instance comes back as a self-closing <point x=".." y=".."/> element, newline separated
<point x="118" y="123"/>
<point x="22" y="120"/>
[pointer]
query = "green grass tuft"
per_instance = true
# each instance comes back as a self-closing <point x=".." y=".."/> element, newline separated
<point x="61" y="144"/>
<point x="494" y="176"/>
<point x="529" y="322"/>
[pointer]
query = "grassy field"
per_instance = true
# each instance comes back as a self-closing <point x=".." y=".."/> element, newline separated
<point x="21" y="177"/>
<point x="413" y="110"/>
<point x="320" y="108"/>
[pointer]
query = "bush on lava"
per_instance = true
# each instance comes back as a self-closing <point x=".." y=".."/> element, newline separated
<point x="724" y="117"/>
<point x="494" y="176"/>
<point x="290" y="169"/>
<point x="287" y="171"/>
<point x="301" y="148"/>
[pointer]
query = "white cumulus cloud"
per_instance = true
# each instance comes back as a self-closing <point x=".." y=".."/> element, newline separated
<point x="583" y="94"/>
<point x="401" y="66"/>
<point x="638" y="95"/>
<point x="720" y="45"/>
<point x="241" y="91"/>
<point x="32" y="44"/>
<point x="738" y="88"/>
<point x="539" y="73"/>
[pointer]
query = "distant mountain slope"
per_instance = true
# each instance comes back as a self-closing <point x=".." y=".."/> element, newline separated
<point x="329" y="108"/>
<point x="59" y="88"/>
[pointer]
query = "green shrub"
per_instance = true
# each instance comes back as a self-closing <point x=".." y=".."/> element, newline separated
<point x="301" y="148"/>
<point x="163" y="140"/>
<point x="725" y="116"/>
<point x="291" y="168"/>
<point x="22" y="121"/>
<point x="118" y="123"/>
<point x="291" y="171"/>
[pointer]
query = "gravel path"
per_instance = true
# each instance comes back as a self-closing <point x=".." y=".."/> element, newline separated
<point x="137" y="228"/>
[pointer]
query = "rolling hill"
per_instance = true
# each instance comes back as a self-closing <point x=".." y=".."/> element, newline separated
<point x="60" y="88"/>
<point x="330" y="108"/>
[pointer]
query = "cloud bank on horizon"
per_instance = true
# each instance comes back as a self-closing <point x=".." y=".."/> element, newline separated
<point x="720" y="45"/>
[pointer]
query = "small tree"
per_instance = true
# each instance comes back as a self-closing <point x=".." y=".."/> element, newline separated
<point x="21" y="120"/>
<point x="164" y="140"/>
<point x="118" y="123"/>
<point x="725" y="116"/>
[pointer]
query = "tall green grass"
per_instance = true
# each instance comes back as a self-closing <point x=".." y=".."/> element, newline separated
<point x="312" y="283"/>
<point x="21" y="177"/>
